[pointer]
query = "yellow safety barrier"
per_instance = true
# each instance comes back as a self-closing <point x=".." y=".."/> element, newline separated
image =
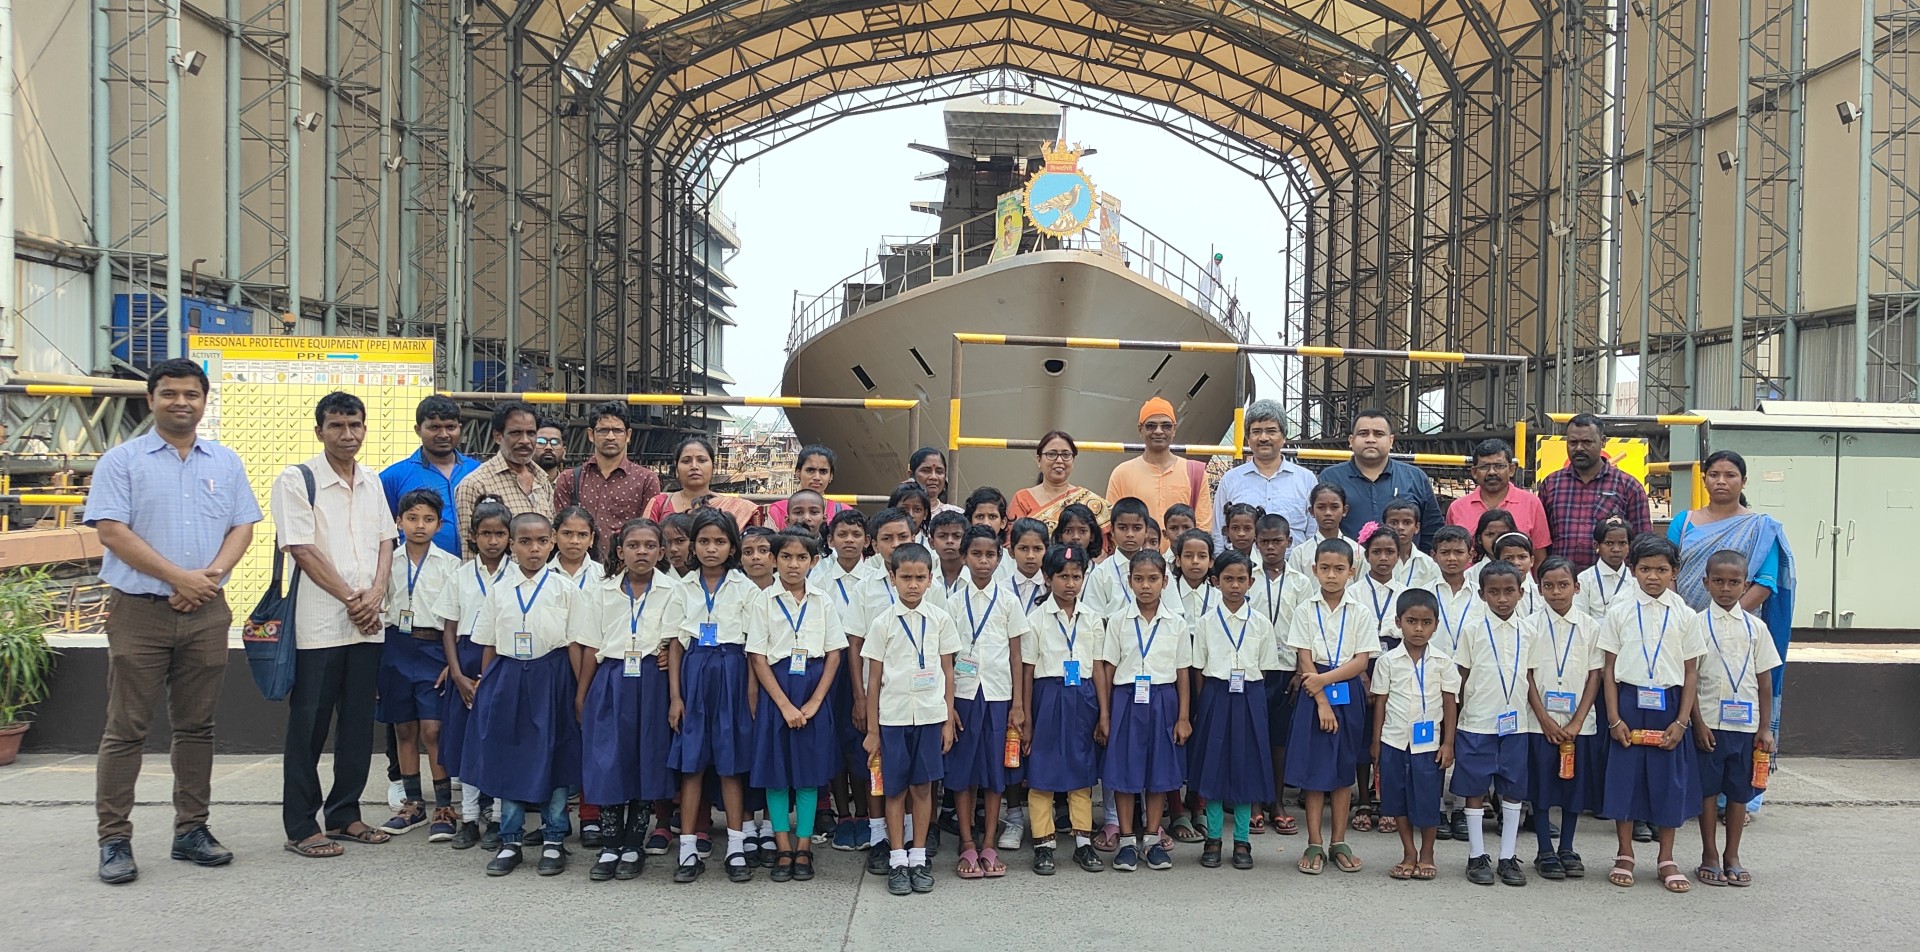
<point x="1212" y="449"/>
<point x="701" y="400"/>
<point x="1668" y="420"/>
<point x="1664" y="419"/>
<point x="71" y="390"/>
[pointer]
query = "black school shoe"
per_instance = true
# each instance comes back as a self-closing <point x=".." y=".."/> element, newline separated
<point x="490" y="836"/>
<point x="1088" y="859"/>
<point x="802" y="865"/>
<point x="197" y="846"/>
<point x="738" y="872"/>
<point x="1510" y="872"/>
<point x="604" y="868"/>
<point x="1549" y="867"/>
<point x="630" y="868"/>
<point x="1570" y="861"/>
<point x="466" y="837"/>
<point x="1480" y="870"/>
<point x="781" y="873"/>
<point x="1459" y="825"/>
<point x="690" y="870"/>
<point x="591" y="837"/>
<point x="506" y="862"/>
<point x="116" y="862"/>
<point x="878" y="858"/>
<point x="1642" y="832"/>
<point x="1210" y="854"/>
<point x="1043" y="859"/>
<point x="1242" y="855"/>
<point x="920" y="878"/>
<point x="553" y="859"/>
<point x="933" y="841"/>
<point x="899" y="882"/>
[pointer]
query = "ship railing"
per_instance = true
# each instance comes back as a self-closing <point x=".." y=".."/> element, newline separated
<point x="909" y="262"/>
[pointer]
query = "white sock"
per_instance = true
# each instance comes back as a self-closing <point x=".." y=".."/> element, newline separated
<point x="688" y="850"/>
<point x="917" y="856"/>
<point x="1476" y="837"/>
<point x="736" y="843"/>
<point x="1509" y="829"/>
<point x="469" y="803"/>
<point x="897" y="859"/>
<point x="876" y="829"/>
<point x="1079" y="840"/>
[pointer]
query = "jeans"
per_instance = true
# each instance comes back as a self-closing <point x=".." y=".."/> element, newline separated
<point x="553" y="818"/>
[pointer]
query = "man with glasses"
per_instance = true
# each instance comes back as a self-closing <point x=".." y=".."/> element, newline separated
<point x="510" y="474"/>
<point x="1494" y="489"/>
<point x="1268" y="480"/>
<point x="1159" y="478"/>
<point x="609" y="485"/>
<point x="1588" y="490"/>
<point x="549" y="447"/>
<point x="1372" y="478"/>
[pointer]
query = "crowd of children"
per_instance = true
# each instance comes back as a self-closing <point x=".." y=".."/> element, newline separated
<point x="860" y="682"/>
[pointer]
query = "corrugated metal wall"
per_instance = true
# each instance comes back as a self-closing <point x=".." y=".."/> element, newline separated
<point x="1826" y="366"/>
<point x="51" y="331"/>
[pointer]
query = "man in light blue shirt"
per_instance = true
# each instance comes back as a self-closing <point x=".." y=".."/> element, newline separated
<point x="1268" y="480"/>
<point x="175" y="514"/>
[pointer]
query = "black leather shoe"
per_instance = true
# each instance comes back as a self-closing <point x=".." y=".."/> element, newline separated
<point x="630" y="868"/>
<point x="466" y="837"/>
<point x="1548" y="865"/>
<point x="1210" y="854"/>
<point x="1571" y="862"/>
<point x="553" y="859"/>
<point x="1242" y="855"/>
<point x="506" y="862"/>
<point x="591" y="837"/>
<point x="1510" y="872"/>
<point x="490" y="836"/>
<point x="920" y="878"/>
<point x="1480" y="870"/>
<point x="878" y="858"/>
<point x="738" y="872"/>
<point x="782" y="872"/>
<point x="690" y="870"/>
<point x="197" y="846"/>
<point x="1043" y="860"/>
<point x="1642" y="831"/>
<point x="933" y="842"/>
<point x="603" y="868"/>
<point x="1088" y="859"/>
<point x="898" y="882"/>
<point x="1459" y="825"/>
<point x="116" y="862"/>
<point x="803" y="865"/>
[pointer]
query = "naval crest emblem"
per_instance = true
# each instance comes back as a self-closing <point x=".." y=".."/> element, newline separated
<point x="1060" y="198"/>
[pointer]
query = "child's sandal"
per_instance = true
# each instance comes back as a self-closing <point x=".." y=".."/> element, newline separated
<point x="1425" y="871"/>
<point x="990" y="865"/>
<point x="1313" y="861"/>
<point x="1738" y="876"/>
<point x="1403" y="870"/>
<point x="1183" y="830"/>
<point x="1387" y="824"/>
<point x="1674" y="882"/>
<point x="969" y="865"/>
<point x="1709" y="876"/>
<point x="1285" y="825"/>
<point x="1258" y="824"/>
<point x="1621" y="875"/>
<point x="1343" y="858"/>
<point x="1362" y="820"/>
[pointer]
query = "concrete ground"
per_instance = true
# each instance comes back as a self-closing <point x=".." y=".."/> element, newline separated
<point x="1827" y="860"/>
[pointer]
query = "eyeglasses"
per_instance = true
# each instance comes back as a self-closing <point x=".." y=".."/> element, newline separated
<point x="1057" y="456"/>
<point x="1157" y="427"/>
<point x="1489" y="467"/>
<point x="546" y="441"/>
<point x="609" y="430"/>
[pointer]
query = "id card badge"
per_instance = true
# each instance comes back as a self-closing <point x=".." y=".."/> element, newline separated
<point x="1423" y="733"/>
<point x="630" y="664"/>
<point x="1736" y="712"/>
<point x="709" y="634"/>
<point x="1237" y="681"/>
<point x="404" y="623"/>
<point x="797" y="662"/>
<point x="1650" y="699"/>
<point x="1508" y="724"/>
<point x="926" y="679"/>
<point x="966" y="677"/>
<point x="523" y="645"/>
<point x="1072" y="676"/>
<point x="1337" y="693"/>
<point x="1560" y="702"/>
<point x="1142" y="688"/>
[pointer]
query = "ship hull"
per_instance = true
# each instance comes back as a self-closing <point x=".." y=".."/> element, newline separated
<point x="903" y="346"/>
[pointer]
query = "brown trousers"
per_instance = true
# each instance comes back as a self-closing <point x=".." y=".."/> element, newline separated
<point x="152" y="649"/>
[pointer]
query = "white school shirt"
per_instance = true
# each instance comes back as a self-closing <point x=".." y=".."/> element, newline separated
<point x="1169" y="648"/>
<point x="1318" y="629"/>
<point x="1651" y="639"/>
<point x="1414" y="692"/>
<point x="1029" y="593"/>
<point x="554" y="610"/>
<point x="1418" y="570"/>
<point x="1382" y="599"/>
<point x="1459" y="611"/>
<point x="876" y="596"/>
<point x="1565" y="651"/>
<point x="989" y="621"/>
<point x="640" y="621"/>
<point x="843" y="585"/>
<point x="1195" y="600"/>
<point x="433" y="595"/>
<point x="1046" y="647"/>
<point x="905" y="640"/>
<point x="1300" y="557"/>
<point x="1277" y="598"/>
<point x="770" y="631"/>
<point x="475" y="583"/>
<point x="1497" y="654"/>
<point x="1106" y="590"/>
<point x="590" y="574"/>
<point x="733" y="601"/>
<point x="1214" y="652"/>
<point x="1739" y="650"/>
<point x="1600" y="588"/>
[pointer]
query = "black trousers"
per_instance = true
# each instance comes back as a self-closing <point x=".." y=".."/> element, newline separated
<point x="333" y="688"/>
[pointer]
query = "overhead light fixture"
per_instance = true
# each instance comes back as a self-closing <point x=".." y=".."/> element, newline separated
<point x="1639" y="9"/>
<point x="518" y="226"/>
<point x="190" y="61"/>
<point x="1849" y="113"/>
<point x="1633" y="198"/>
<point x="1726" y="160"/>
<point x="1558" y="230"/>
<point x="309" y="121"/>
<point x="464" y="198"/>
<point x="396" y="163"/>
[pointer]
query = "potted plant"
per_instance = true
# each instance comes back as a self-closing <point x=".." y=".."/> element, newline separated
<point x="26" y="660"/>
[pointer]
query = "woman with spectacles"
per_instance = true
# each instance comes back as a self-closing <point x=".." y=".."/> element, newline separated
<point x="1054" y="491"/>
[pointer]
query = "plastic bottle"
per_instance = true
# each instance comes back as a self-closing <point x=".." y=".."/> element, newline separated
<point x="1566" y="761"/>
<point x="1762" y="766"/>
<point x="878" y="786"/>
<point x="1012" y="758"/>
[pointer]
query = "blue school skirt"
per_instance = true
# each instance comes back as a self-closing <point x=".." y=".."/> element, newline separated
<point x="1064" y="756"/>
<point x="785" y="758"/>
<point x="853" y="740"/>
<point x="1141" y="755"/>
<point x="1410" y="786"/>
<point x="1727" y="770"/>
<point x="409" y="670"/>
<point x="1483" y="762"/>
<point x="1229" y="757"/>
<point x="978" y="759"/>
<point x="453" y="711"/>
<point x="909" y="756"/>
<point x="715" y="730"/>
<point x="1647" y="783"/>
<point x="1280" y="706"/>
<point x="624" y="735"/>
<point x="1317" y="760"/>
<point x="522" y="740"/>
<point x="1586" y="788"/>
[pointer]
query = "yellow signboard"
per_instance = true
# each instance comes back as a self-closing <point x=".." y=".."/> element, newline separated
<point x="1629" y="454"/>
<point x="1008" y="224"/>
<point x="261" y="407"/>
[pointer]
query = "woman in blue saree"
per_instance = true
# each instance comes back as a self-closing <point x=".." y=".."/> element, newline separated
<point x="1726" y="523"/>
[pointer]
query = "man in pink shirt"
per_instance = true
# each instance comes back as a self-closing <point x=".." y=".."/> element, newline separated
<point x="1493" y="471"/>
<point x="1159" y="478"/>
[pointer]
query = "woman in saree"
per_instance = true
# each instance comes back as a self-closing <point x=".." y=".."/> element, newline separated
<point x="1055" y="490"/>
<point x="1725" y="522"/>
<point x="693" y="470"/>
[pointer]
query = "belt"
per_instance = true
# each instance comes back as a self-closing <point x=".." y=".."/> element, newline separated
<point x="427" y="634"/>
<point x="143" y="595"/>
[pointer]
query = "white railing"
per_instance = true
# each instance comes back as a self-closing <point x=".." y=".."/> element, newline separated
<point x="910" y="262"/>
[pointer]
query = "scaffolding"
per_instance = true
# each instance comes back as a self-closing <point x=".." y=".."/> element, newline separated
<point x="1887" y="307"/>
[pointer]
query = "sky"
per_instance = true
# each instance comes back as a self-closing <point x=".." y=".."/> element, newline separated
<point x="812" y="212"/>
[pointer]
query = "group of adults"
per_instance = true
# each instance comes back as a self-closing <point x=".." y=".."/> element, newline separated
<point x="175" y="513"/>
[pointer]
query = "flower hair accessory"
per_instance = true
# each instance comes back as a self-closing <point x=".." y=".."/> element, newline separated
<point x="1367" y="531"/>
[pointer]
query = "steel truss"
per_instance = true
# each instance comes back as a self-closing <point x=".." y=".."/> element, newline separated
<point x="1887" y="306"/>
<point x="1770" y="145"/>
<point x="1671" y="182"/>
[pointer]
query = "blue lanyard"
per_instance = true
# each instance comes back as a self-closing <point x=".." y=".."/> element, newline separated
<point x="480" y="578"/>
<point x="1321" y="620"/>
<point x="1030" y="600"/>
<point x="712" y="596"/>
<point x="1206" y="598"/>
<point x="1120" y="578"/>
<point x="1147" y="645"/>
<point x="1560" y="667"/>
<point x="635" y="607"/>
<point x="981" y="624"/>
<point x="1658" y="644"/>
<point x="1420" y="678"/>
<point x="792" y="622"/>
<point x="1606" y="596"/>
<point x="1071" y="636"/>
<point x="413" y="575"/>
<point x="1236" y="642"/>
<point x="1379" y="610"/>
<point x="581" y="582"/>
<point x="919" y="647"/>
<point x="1459" y="626"/>
<point x="1733" y="682"/>
<point x="841" y="584"/>
<point x="1409" y="582"/>
<point x="1506" y="686"/>
<point x="526" y="604"/>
